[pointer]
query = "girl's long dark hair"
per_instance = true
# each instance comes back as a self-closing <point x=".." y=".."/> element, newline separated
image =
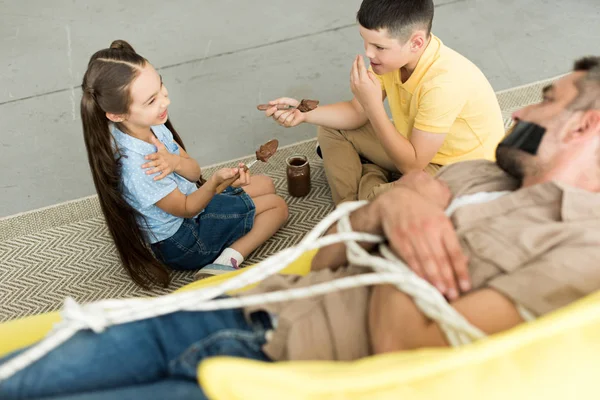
<point x="105" y="87"/>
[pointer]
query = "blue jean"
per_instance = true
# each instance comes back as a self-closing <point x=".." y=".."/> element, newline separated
<point x="150" y="359"/>
<point x="200" y="240"/>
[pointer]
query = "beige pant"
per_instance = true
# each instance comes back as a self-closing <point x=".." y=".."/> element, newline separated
<point x="348" y="178"/>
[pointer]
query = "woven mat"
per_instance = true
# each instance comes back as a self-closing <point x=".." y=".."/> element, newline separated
<point x="65" y="250"/>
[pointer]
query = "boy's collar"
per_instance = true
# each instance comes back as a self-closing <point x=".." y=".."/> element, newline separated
<point x="427" y="58"/>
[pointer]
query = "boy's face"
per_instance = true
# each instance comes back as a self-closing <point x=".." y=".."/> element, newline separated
<point x="386" y="53"/>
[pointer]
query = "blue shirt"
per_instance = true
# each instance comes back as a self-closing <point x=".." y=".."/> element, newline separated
<point x="141" y="191"/>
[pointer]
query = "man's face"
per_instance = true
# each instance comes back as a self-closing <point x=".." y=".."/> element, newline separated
<point x="551" y="114"/>
<point x="385" y="53"/>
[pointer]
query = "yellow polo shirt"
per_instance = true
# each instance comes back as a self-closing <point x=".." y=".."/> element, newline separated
<point x="447" y="93"/>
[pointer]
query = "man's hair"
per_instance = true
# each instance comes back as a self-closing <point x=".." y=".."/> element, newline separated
<point x="588" y="86"/>
<point x="399" y="17"/>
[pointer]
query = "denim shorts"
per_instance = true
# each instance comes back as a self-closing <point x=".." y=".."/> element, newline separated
<point x="200" y="240"/>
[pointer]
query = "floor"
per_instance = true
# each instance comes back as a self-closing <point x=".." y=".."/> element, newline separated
<point x="219" y="58"/>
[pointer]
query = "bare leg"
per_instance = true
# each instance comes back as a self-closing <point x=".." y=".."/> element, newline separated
<point x="271" y="214"/>
<point x="259" y="186"/>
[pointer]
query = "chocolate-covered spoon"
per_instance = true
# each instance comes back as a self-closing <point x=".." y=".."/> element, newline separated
<point x="263" y="154"/>
<point x="304" y="106"/>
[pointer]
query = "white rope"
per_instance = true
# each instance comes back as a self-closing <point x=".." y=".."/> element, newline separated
<point x="426" y="297"/>
<point x="388" y="269"/>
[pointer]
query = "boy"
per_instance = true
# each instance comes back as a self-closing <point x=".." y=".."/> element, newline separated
<point x="444" y="110"/>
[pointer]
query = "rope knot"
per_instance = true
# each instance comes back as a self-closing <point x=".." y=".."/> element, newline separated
<point x="86" y="316"/>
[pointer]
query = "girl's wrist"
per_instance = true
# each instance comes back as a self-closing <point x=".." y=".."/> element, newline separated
<point x="177" y="159"/>
<point x="211" y="184"/>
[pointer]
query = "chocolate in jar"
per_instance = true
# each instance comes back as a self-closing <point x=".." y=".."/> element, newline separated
<point x="298" y="175"/>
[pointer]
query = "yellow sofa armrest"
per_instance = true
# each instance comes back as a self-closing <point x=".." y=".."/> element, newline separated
<point x="555" y="357"/>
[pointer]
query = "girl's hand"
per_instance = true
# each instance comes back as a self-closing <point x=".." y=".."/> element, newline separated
<point x="162" y="161"/>
<point x="223" y="175"/>
<point x="244" y="179"/>
<point x="235" y="177"/>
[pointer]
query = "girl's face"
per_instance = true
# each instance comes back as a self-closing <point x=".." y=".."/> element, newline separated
<point x="149" y="101"/>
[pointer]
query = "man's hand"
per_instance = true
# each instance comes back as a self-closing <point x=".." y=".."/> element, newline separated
<point x="364" y="85"/>
<point x="419" y="231"/>
<point x="286" y="118"/>
<point x="432" y="189"/>
<point x="162" y="161"/>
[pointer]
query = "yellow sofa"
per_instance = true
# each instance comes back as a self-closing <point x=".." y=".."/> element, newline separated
<point x="555" y="357"/>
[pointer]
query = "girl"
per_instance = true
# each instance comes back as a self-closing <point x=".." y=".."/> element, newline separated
<point x="155" y="212"/>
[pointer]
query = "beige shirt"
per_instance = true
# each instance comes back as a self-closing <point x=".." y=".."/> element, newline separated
<point x="539" y="246"/>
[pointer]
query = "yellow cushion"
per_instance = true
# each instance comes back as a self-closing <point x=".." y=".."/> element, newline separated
<point x="23" y="332"/>
<point x="555" y="357"/>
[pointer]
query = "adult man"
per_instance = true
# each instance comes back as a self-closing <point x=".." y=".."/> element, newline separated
<point x="530" y="240"/>
<point x="443" y="107"/>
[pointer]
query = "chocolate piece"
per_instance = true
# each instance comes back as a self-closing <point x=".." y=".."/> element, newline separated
<point x="307" y="105"/>
<point x="267" y="150"/>
<point x="263" y="154"/>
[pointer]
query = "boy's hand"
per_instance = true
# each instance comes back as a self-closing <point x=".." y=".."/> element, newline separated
<point x="162" y="161"/>
<point x="286" y="118"/>
<point x="364" y="84"/>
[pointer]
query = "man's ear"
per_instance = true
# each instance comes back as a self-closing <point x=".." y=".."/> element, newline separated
<point x="587" y="126"/>
<point x="116" y="117"/>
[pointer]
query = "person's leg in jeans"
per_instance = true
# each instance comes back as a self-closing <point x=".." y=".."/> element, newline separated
<point x="341" y="158"/>
<point x="161" y="351"/>
<point x="180" y="389"/>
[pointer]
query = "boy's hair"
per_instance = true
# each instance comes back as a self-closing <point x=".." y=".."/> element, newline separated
<point x="399" y="17"/>
<point x="106" y="89"/>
